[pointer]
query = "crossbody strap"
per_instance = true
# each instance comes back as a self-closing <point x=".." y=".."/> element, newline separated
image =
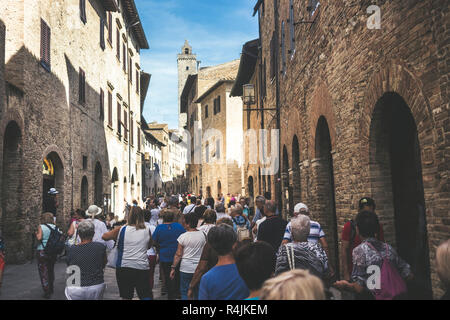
<point x="120" y="246"/>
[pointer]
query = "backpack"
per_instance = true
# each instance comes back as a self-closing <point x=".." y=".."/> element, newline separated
<point x="56" y="242"/>
<point x="242" y="231"/>
<point x="392" y="285"/>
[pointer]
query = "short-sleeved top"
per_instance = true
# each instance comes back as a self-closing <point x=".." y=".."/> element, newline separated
<point x="240" y="221"/>
<point x="346" y="235"/>
<point x="189" y="208"/>
<point x="193" y="243"/>
<point x="258" y="215"/>
<point x="154" y="216"/>
<point x="100" y="229"/>
<point x="221" y="215"/>
<point x="223" y="283"/>
<point x="45" y="235"/>
<point x="166" y="235"/>
<point x="135" y="248"/>
<point x="272" y="231"/>
<point x="90" y="258"/>
<point x="151" y="251"/>
<point x="315" y="233"/>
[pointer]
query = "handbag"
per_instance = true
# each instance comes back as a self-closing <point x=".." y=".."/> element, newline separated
<point x="73" y="240"/>
<point x="117" y="251"/>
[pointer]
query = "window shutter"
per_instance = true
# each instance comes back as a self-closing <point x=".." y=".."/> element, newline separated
<point x="130" y="70"/>
<point x="218" y="104"/>
<point x="125" y="124"/>
<point x="139" y="139"/>
<point x="83" y="10"/>
<point x="102" y="104"/>
<point x="102" y="34"/>
<point x="110" y="109"/>
<point x="45" y="45"/>
<point x="118" y="44"/>
<point x="119" y="121"/>
<point x="110" y="24"/>
<point x="81" y="87"/>
<point x="124" y="58"/>
<point x="137" y="81"/>
<point x="132" y="132"/>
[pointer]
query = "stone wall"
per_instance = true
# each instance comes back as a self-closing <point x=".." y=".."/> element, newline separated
<point x="340" y="77"/>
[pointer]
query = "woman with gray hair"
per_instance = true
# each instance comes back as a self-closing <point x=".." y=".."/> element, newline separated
<point x="301" y="254"/>
<point x="88" y="260"/>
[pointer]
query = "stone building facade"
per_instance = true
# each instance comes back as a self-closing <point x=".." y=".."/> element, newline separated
<point x="60" y="66"/>
<point x="152" y="182"/>
<point x="363" y="112"/>
<point x="196" y="86"/>
<point x="221" y="145"/>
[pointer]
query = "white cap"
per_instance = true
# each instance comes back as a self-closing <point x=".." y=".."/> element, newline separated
<point x="300" y="206"/>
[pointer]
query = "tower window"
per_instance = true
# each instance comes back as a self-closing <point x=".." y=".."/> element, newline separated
<point x="186" y="51"/>
<point x="187" y="68"/>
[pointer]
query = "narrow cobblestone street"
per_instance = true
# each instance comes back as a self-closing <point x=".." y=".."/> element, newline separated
<point x="21" y="282"/>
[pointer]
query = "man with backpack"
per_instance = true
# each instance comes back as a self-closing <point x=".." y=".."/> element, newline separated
<point x="350" y="238"/>
<point x="51" y="244"/>
<point x="378" y="271"/>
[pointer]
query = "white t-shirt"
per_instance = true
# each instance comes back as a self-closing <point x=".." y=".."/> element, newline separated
<point x="100" y="229"/>
<point x="135" y="248"/>
<point x="155" y="216"/>
<point x="193" y="243"/>
<point x="206" y="227"/>
<point x="151" y="251"/>
<point x="188" y="209"/>
<point x="221" y="215"/>
<point x="258" y="223"/>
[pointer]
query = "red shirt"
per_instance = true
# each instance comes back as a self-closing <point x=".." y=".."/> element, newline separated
<point x="346" y="234"/>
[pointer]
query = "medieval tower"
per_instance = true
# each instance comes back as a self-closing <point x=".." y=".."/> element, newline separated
<point x="187" y="65"/>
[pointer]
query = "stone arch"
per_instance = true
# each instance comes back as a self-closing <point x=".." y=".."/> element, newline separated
<point x="98" y="185"/>
<point x="396" y="182"/>
<point x="295" y="181"/>
<point x="84" y="198"/>
<point x="53" y="179"/>
<point x="325" y="204"/>
<point x="12" y="193"/>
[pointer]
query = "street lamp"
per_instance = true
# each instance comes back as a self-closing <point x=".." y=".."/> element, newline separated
<point x="249" y="94"/>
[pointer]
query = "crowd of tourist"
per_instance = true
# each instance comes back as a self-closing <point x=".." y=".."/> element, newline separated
<point x="224" y="249"/>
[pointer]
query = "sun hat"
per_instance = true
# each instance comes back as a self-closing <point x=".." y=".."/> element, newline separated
<point x="299" y="206"/>
<point x="93" y="211"/>
<point x="53" y="191"/>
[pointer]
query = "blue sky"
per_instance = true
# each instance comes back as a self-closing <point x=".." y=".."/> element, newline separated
<point x="216" y="30"/>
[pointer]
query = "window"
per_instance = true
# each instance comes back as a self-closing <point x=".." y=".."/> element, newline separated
<point x="217" y="105"/>
<point x="110" y="27"/>
<point x="83" y="10"/>
<point x="207" y="152"/>
<point x="130" y="70"/>
<point x="125" y="124"/>
<point x="118" y="44"/>
<point x="102" y="34"/>
<point x="187" y="68"/>
<point x="137" y="81"/>
<point x="273" y="63"/>
<point x="85" y="163"/>
<point x="82" y="87"/>
<point x="110" y="121"/>
<point x="131" y="131"/>
<point x="186" y="51"/>
<point x="102" y="104"/>
<point x="119" y="120"/>
<point x="139" y="139"/>
<point x="206" y="111"/>
<point x="291" y="28"/>
<point x="283" y="48"/>
<point x="218" y="149"/>
<point x="124" y="57"/>
<point x="45" y="45"/>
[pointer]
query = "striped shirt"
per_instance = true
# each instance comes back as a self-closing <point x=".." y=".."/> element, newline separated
<point x="315" y="233"/>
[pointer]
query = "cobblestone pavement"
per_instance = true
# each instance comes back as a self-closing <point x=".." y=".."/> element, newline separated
<point x="21" y="282"/>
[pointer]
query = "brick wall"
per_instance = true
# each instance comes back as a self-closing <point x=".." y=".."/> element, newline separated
<point x="340" y="70"/>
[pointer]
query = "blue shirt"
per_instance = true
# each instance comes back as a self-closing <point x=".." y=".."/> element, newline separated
<point x="240" y="221"/>
<point x="223" y="283"/>
<point x="166" y="235"/>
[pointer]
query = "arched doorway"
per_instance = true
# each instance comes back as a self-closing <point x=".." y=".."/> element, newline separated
<point x="287" y="188"/>
<point x="12" y="197"/>
<point x="397" y="185"/>
<point x="208" y="191"/>
<point x="53" y="177"/>
<point x="98" y="185"/>
<point x="219" y="188"/>
<point x="84" y="203"/>
<point x="326" y="203"/>
<point x="125" y="188"/>
<point x="115" y="192"/>
<point x="295" y="182"/>
<point x="250" y="187"/>
<point x="132" y="187"/>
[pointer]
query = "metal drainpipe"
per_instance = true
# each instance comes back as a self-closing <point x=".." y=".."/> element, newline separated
<point x="277" y="84"/>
